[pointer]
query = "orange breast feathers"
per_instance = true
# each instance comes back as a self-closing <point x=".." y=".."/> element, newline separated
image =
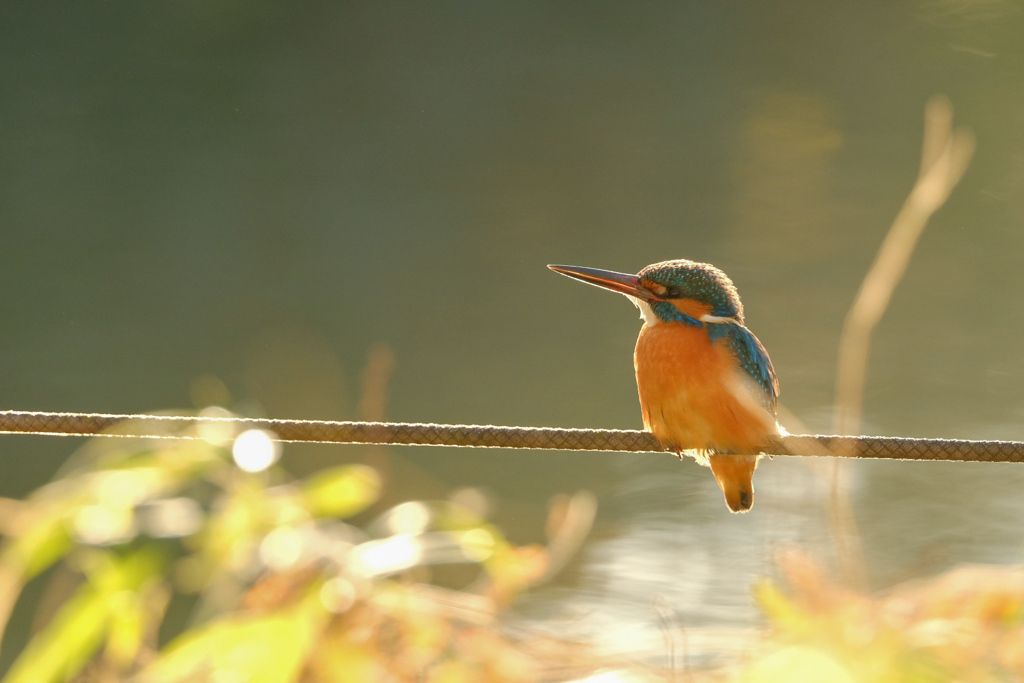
<point x="693" y="393"/>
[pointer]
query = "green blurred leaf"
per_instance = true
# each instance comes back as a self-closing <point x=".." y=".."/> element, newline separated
<point x="797" y="663"/>
<point x="262" y="649"/>
<point x="127" y="628"/>
<point x="779" y="608"/>
<point x="74" y="635"/>
<point x="61" y="650"/>
<point x="343" y="661"/>
<point x="45" y="542"/>
<point x="341" y="491"/>
<point x="238" y="518"/>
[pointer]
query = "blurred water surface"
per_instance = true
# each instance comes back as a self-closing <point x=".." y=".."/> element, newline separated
<point x="262" y="191"/>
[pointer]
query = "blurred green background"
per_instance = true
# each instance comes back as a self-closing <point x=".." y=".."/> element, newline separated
<point x="263" y="191"/>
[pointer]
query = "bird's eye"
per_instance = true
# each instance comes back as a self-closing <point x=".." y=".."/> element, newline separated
<point x="673" y="293"/>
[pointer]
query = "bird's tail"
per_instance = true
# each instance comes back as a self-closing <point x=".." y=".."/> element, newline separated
<point x="735" y="476"/>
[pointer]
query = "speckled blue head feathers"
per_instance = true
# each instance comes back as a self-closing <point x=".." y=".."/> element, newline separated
<point x="701" y="282"/>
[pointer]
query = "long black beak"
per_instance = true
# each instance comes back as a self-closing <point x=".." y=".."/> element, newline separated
<point x="624" y="283"/>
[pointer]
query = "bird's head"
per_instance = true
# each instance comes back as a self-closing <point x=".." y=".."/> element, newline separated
<point x="671" y="291"/>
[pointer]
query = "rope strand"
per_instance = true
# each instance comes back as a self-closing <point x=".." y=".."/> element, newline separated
<point x="487" y="436"/>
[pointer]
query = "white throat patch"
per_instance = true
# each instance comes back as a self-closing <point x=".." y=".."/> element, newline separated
<point x="646" y="312"/>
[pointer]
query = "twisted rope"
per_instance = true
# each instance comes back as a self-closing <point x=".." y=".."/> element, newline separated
<point x="486" y="436"/>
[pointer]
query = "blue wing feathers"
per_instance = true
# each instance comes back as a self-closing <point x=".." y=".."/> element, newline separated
<point x="753" y="359"/>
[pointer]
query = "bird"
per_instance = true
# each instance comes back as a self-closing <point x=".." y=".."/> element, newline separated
<point x="706" y="383"/>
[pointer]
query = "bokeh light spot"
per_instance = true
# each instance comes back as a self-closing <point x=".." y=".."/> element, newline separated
<point x="478" y="544"/>
<point x="282" y="548"/>
<point x="171" y="517"/>
<point x="216" y="430"/>
<point x="395" y="554"/>
<point x="255" y="450"/>
<point x="104" y="525"/>
<point x="338" y="595"/>
<point x="409" y="518"/>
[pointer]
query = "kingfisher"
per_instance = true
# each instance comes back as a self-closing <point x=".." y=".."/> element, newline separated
<point x="706" y="383"/>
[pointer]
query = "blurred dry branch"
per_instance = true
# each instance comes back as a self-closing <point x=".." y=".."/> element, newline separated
<point x="373" y="401"/>
<point x="569" y="520"/>
<point x="945" y="155"/>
